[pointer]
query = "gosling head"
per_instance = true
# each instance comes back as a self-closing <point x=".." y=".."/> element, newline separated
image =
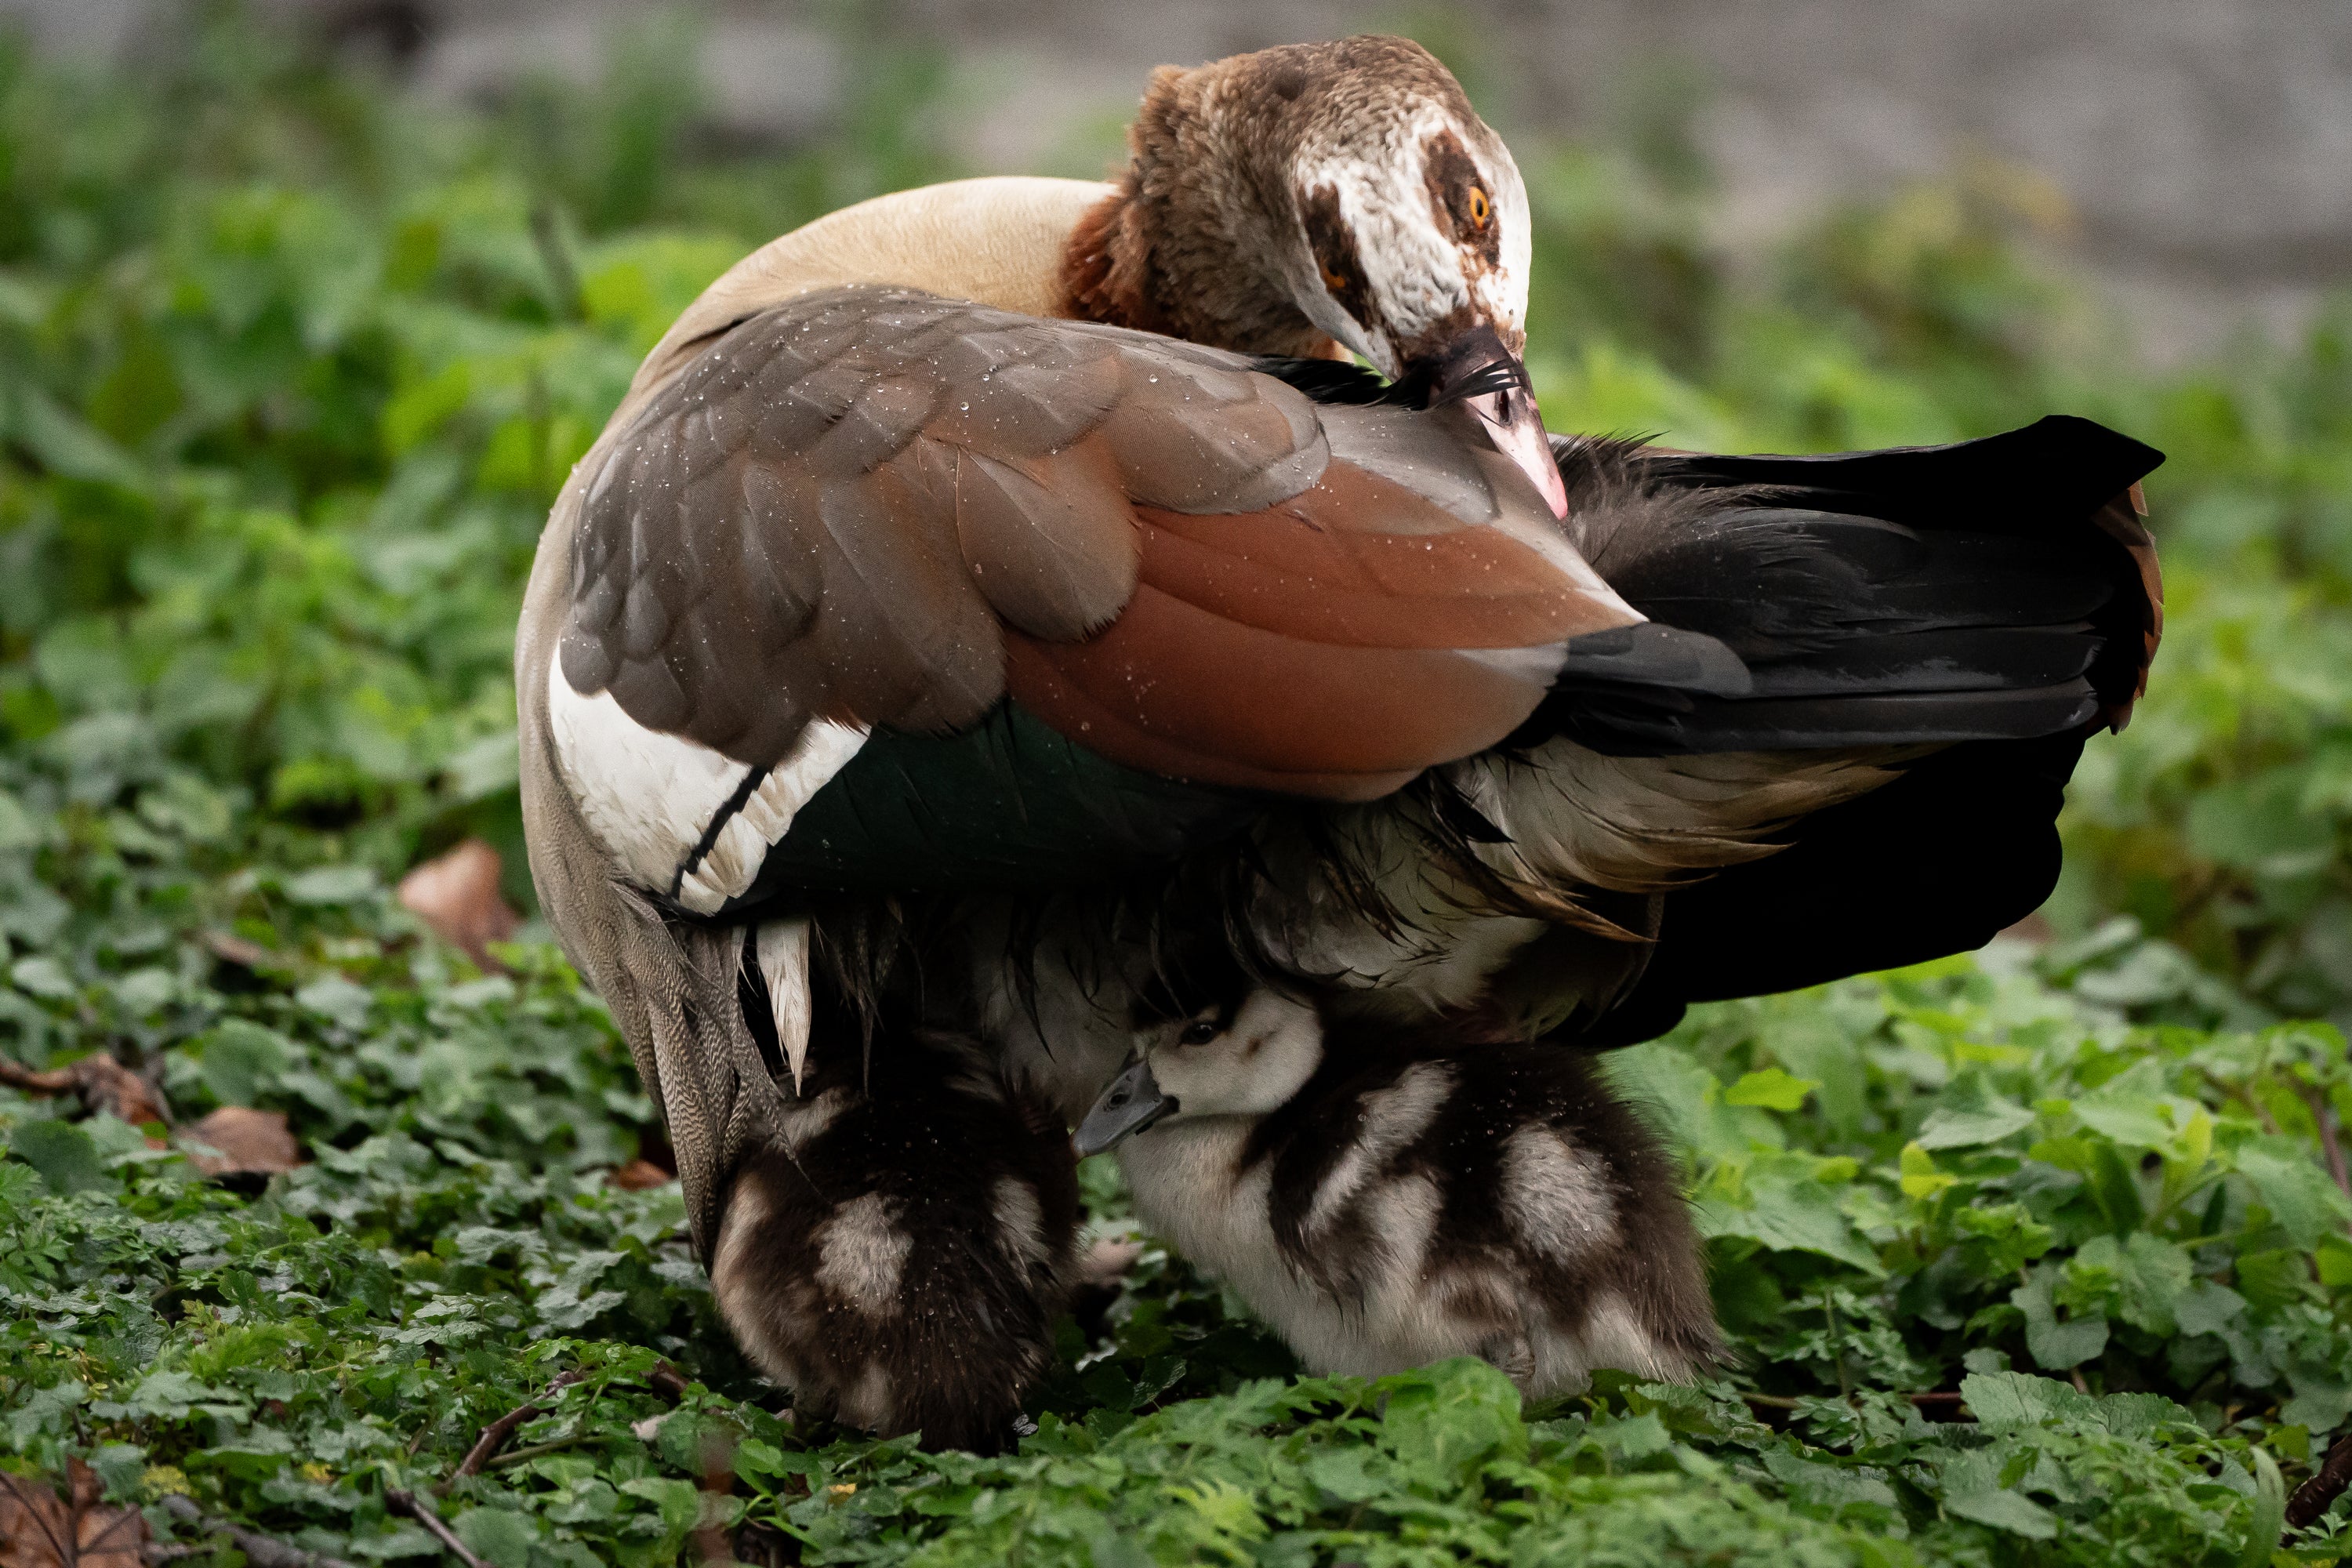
<point x="1283" y="201"/>
<point x="1244" y="1058"/>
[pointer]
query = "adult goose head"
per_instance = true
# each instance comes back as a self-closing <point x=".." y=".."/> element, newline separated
<point x="1283" y="201"/>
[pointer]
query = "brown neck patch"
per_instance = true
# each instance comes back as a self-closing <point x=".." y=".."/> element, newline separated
<point x="1107" y="265"/>
<point x="1186" y="247"/>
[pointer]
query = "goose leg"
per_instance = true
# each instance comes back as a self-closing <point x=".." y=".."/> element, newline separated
<point x="896" y="1257"/>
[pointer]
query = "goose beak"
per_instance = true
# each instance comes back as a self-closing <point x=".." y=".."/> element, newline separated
<point x="1513" y="423"/>
<point x="1474" y="369"/>
<point x="1132" y="1103"/>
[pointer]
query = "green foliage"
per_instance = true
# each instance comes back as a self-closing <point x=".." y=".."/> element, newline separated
<point x="2033" y="1259"/>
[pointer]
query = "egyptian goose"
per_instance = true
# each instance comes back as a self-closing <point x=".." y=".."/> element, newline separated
<point x="984" y="582"/>
<point x="1384" y="1201"/>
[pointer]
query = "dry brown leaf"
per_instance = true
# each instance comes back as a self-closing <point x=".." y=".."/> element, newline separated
<point x="637" y="1175"/>
<point x="236" y="1140"/>
<point x="107" y="1085"/>
<point x="38" y="1529"/>
<point x="103" y="1083"/>
<point x="457" y="894"/>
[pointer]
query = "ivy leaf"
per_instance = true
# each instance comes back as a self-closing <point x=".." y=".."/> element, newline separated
<point x="2008" y="1401"/>
<point x="2051" y="1342"/>
<point x="2294" y="1189"/>
<point x="66" y="1156"/>
<point x="2322" y="1397"/>
<point x="1792" y="1212"/>
<point x="1970" y="1113"/>
<point x="2010" y="1512"/>
<point x="1920" y="1178"/>
<point x="1770" y="1089"/>
<point x="1446" y="1420"/>
<point x="242" y="1061"/>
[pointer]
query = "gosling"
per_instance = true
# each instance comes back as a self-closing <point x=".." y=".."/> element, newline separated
<point x="1383" y="1199"/>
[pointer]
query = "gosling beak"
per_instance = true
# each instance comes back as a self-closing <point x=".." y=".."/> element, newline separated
<point x="1132" y="1103"/>
<point x="1476" y="371"/>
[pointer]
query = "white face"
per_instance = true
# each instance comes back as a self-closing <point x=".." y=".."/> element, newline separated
<point x="1416" y="228"/>
<point x="1247" y="1066"/>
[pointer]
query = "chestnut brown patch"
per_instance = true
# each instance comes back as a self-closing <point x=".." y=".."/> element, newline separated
<point x="1458" y="193"/>
<point x="1334" y="244"/>
<point x="1104" y="269"/>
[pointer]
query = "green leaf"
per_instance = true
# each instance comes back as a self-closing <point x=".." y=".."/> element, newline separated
<point x="2150" y="1274"/>
<point x="1347" y="1475"/>
<point x="1970" y="1113"/>
<point x="500" y="1536"/>
<point x="242" y="1061"/>
<point x="2290" y="1184"/>
<point x="1792" y="1212"/>
<point x="2125" y="1110"/>
<point x="2268" y="1515"/>
<point x="1446" y="1420"/>
<point x="2055" y="1344"/>
<point x="2007" y="1400"/>
<point x="41" y="975"/>
<point x="2005" y="1510"/>
<point x="1920" y="1178"/>
<point x="330" y="885"/>
<point x="2206" y="1308"/>
<point x="66" y="1156"/>
<point x="2322" y="1397"/>
<point x="1770" y="1089"/>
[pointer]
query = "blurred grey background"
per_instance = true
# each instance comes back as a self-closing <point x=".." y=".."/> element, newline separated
<point x="2199" y="152"/>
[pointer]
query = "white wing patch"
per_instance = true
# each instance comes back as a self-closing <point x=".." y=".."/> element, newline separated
<point x="734" y="857"/>
<point x="651" y="798"/>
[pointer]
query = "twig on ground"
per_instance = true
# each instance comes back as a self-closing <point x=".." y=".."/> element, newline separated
<point x="665" y="1382"/>
<point x="2327" y="1484"/>
<point x="408" y="1504"/>
<point x="494" y="1436"/>
<point x="260" y="1550"/>
<point x="523" y="1456"/>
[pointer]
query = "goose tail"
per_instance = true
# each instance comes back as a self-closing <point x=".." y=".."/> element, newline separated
<point x="2002" y="589"/>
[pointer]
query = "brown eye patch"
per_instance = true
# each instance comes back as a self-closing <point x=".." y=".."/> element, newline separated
<point x="1334" y="245"/>
<point x="1458" y="192"/>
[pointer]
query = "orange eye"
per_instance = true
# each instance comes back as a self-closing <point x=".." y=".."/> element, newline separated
<point x="1480" y="208"/>
<point x="1333" y="281"/>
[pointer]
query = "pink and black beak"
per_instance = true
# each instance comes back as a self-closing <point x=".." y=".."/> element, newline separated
<point x="1476" y="371"/>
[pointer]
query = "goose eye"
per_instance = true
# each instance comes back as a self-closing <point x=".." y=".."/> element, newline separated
<point x="1481" y="209"/>
<point x="1198" y="1032"/>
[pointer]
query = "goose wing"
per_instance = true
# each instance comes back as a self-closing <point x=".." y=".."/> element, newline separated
<point x="870" y="521"/>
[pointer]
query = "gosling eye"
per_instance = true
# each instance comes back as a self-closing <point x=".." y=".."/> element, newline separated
<point x="1198" y="1032"/>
